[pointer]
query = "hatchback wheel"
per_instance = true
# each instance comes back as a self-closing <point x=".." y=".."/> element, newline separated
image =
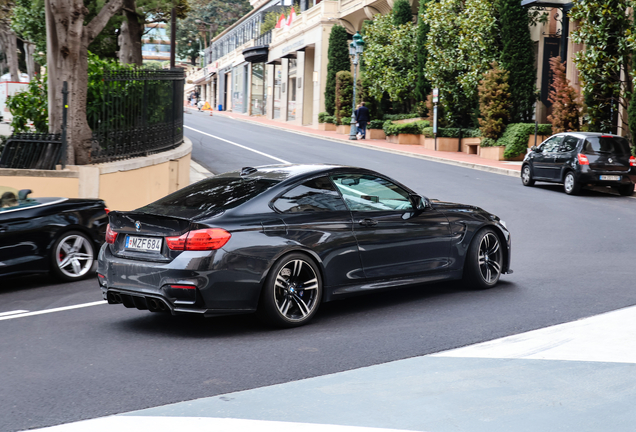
<point x="570" y="185"/>
<point x="526" y="176"/>
<point x="484" y="260"/>
<point x="292" y="292"/>
<point x="72" y="256"/>
<point x="625" y="190"/>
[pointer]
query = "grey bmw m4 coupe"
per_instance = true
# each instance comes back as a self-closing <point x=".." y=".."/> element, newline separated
<point x="280" y="240"/>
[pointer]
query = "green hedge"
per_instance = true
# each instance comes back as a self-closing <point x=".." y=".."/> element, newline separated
<point x="376" y="124"/>
<point x="516" y="136"/>
<point x="322" y="116"/>
<point x="405" y="128"/>
<point x="394" y="117"/>
<point x="330" y="119"/>
<point x="452" y="132"/>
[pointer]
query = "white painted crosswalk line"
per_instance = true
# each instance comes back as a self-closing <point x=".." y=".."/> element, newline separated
<point x="609" y="337"/>
<point x="199" y="424"/>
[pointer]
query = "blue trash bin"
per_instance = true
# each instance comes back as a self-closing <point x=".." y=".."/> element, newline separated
<point x="220" y="107"/>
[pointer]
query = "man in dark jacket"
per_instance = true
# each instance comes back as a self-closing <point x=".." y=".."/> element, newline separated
<point x="362" y="118"/>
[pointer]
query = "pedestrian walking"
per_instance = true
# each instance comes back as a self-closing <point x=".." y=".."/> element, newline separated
<point x="362" y="118"/>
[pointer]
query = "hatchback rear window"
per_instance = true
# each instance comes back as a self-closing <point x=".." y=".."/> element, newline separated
<point x="599" y="144"/>
<point x="213" y="195"/>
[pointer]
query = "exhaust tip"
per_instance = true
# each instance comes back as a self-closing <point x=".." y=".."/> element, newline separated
<point x="112" y="298"/>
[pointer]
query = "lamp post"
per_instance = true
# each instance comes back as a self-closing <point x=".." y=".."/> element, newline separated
<point x="356" y="48"/>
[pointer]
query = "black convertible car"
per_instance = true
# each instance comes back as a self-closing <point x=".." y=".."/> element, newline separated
<point x="281" y="239"/>
<point x="59" y="235"/>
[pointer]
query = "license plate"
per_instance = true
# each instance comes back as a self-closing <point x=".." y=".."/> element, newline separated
<point x="611" y="178"/>
<point x="148" y="244"/>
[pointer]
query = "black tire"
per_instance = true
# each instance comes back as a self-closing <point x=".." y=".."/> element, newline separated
<point x="526" y="176"/>
<point x="292" y="292"/>
<point x="484" y="260"/>
<point x="625" y="190"/>
<point x="72" y="256"/>
<point x="570" y="185"/>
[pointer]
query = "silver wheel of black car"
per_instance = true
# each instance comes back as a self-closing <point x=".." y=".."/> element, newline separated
<point x="484" y="261"/>
<point x="72" y="256"/>
<point x="526" y="176"/>
<point x="570" y="185"/>
<point x="293" y="291"/>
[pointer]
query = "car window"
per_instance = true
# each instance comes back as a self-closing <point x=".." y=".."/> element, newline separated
<point x="371" y="193"/>
<point x="316" y="195"/>
<point x="212" y="195"/>
<point x="606" y="144"/>
<point x="569" y="143"/>
<point x="552" y="144"/>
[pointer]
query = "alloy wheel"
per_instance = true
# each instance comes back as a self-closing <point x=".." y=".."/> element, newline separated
<point x="74" y="256"/>
<point x="490" y="258"/>
<point x="296" y="290"/>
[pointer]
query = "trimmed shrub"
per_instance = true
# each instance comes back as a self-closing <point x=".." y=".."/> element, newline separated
<point x="322" y="116"/>
<point x="402" y="13"/>
<point x="544" y="129"/>
<point x="394" y="117"/>
<point x="494" y="102"/>
<point x="451" y="132"/>
<point x="488" y="142"/>
<point x="375" y="124"/>
<point x="338" y="57"/>
<point x="344" y="96"/>
<point x="330" y="119"/>
<point x="566" y="102"/>
<point x="414" y="128"/>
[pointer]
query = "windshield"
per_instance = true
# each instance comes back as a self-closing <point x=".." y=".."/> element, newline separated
<point x="213" y="195"/>
<point x="606" y="144"/>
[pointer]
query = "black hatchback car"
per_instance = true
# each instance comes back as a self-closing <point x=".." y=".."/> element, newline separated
<point x="578" y="159"/>
<point x="282" y="239"/>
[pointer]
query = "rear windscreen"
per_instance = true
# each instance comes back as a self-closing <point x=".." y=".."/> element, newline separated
<point x="600" y="144"/>
<point x="213" y="195"/>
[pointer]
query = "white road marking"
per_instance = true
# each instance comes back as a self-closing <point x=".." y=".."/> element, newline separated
<point x="239" y="145"/>
<point x="609" y="337"/>
<point x="200" y="424"/>
<point x="12" y="312"/>
<point x="46" y="311"/>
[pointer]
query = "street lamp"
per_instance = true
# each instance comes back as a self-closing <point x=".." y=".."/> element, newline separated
<point x="355" y="51"/>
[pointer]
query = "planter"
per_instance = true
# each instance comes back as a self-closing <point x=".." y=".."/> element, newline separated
<point x="407" y="139"/>
<point x="428" y="143"/>
<point x="376" y="134"/>
<point x="497" y="153"/>
<point x="326" y="126"/>
<point x="407" y="120"/>
<point x="343" y="129"/>
<point x="540" y="139"/>
<point x="471" y="145"/>
<point x="448" y="144"/>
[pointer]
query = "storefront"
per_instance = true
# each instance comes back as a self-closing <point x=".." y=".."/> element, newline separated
<point x="258" y="98"/>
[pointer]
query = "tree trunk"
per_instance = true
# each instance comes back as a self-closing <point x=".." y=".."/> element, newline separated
<point x="67" y="60"/>
<point x="132" y="31"/>
<point x="29" y="50"/>
<point x="9" y="45"/>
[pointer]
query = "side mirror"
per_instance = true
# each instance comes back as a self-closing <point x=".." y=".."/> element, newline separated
<point x="420" y="202"/>
<point x="535" y="149"/>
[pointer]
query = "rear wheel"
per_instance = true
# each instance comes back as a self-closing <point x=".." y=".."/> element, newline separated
<point x="625" y="190"/>
<point x="484" y="260"/>
<point x="570" y="185"/>
<point x="292" y="291"/>
<point x="526" y="176"/>
<point x="72" y="256"/>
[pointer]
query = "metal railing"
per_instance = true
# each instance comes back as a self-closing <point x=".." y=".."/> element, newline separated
<point x="264" y="39"/>
<point x="32" y="151"/>
<point x="141" y="112"/>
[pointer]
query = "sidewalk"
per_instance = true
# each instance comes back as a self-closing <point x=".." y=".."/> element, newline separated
<point x="577" y="376"/>
<point x="452" y="158"/>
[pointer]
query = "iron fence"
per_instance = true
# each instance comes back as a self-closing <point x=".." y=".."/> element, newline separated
<point x="32" y="151"/>
<point x="264" y="39"/>
<point x="139" y="112"/>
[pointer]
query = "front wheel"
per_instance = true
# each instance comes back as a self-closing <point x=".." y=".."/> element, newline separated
<point x="484" y="260"/>
<point x="570" y="185"/>
<point x="526" y="176"/>
<point x="292" y="292"/>
<point x="72" y="256"/>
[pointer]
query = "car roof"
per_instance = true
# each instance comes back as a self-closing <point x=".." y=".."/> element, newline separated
<point x="282" y="172"/>
<point x="588" y="134"/>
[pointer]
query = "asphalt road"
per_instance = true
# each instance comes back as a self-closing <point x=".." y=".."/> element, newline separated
<point x="573" y="257"/>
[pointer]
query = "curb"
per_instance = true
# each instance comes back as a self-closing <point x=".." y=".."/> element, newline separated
<point x="486" y="168"/>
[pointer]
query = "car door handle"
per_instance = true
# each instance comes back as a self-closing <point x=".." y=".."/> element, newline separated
<point x="3" y="228"/>
<point x="368" y="222"/>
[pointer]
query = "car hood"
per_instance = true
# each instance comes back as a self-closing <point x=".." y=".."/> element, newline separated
<point x="449" y="206"/>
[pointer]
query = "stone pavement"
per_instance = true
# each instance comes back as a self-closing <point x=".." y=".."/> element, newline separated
<point x="578" y="376"/>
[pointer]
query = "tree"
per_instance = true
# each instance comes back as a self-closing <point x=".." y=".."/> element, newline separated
<point x="494" y="102"/>
<point x="402" y="13"/>
<point x="8" y="41"/>
<point x="390" y="61"/>
<point x="461" y="46"/>
<point x="68" y="39"/>
<point x="423" y="86"/>
<point x="606" y="30"/>
<point x="338" y="58"/>
<point x="517" y="57"/>
<point x="566" y="105"/>
<point x="631" y="111"/>
<point x="344" y="96"/>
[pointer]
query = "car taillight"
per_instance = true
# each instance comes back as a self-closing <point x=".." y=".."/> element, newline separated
<point x="107" y="210"/>
<point x="111" y="235"/>
<point x="583" y="159"/>
<point x="199" y="240"/>
<point x="632" y="161"/>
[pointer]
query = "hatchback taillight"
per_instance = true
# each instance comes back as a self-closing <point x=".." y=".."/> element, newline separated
<point x="111" y="235"/>
<point x="583" y="159"/>
<point x="632" y="161"/>
<point x="199" y="240"/>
